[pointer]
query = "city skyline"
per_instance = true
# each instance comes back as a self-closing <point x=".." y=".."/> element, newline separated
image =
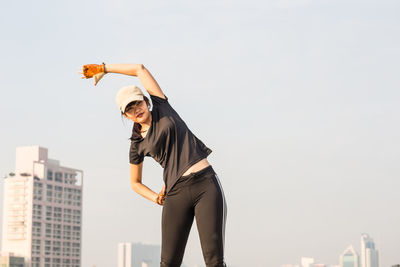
<point x="33" y="162"/>
<point x="349" y="257"/>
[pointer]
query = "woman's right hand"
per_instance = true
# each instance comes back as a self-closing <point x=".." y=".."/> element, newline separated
<point x="161" y="197"/>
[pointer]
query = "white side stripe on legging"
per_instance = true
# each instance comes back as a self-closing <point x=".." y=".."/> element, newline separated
<point x="224" y="212"/>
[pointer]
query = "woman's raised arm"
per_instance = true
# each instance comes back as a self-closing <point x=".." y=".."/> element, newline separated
<point x="140" y="71"/>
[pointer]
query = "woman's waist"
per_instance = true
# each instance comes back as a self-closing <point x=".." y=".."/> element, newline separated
<point x="197" y="167"/>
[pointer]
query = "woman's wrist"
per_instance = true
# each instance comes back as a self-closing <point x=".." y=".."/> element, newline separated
<point x="104" y="67"/>
<point x="145" y="192"/>
<point x="160" y="198"/>
<point x="127" y="69"/>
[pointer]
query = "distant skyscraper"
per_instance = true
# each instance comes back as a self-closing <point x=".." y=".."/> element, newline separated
<point x="369" y="255"/>
<point x="43" y="210"/>
<point x="307" y="262"/>
<point x="349" y="258"/>
<point x="138" y="255"/>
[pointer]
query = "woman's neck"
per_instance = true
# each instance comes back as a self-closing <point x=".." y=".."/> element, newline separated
<point x="146" y="125"/>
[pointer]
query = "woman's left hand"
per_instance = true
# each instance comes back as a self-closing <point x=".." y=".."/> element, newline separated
<point x="96" y="71"/>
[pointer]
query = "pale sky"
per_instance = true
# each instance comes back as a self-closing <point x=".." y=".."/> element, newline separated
<point x="299" y="101"/>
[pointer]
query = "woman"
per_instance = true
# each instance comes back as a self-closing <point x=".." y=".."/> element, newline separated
<point x="192" y="188"/>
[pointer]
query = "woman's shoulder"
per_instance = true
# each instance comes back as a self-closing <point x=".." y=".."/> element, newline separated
<point x="161" y="107"/>
<point x="157" y="100"/>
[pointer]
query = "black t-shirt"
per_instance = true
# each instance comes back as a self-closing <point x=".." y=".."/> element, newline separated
<point x="169" y="141"/>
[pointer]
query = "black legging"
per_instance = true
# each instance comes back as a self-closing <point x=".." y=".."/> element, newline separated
<point x="199" y="195"/>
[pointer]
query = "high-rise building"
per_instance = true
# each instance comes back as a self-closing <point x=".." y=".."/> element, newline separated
<point x="307" y="262"/>
<point x="349" y="258"/>
<point x="369" y="255"/>
<point x="43" y="210"/>
<point x="138" y="255"/>
<point x="11" y="260"/>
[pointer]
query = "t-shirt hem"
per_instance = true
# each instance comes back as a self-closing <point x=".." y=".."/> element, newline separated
<point x="136" y="163"/>
<point x="190" y="164"/>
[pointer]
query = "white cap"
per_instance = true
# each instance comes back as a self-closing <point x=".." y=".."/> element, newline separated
<point x="127" y="94"/>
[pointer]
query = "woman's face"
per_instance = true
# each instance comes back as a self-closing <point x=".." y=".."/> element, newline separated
<point x="138" y="112"/>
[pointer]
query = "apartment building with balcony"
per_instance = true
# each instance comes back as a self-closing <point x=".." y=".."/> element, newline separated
<point x="42" y="213"/>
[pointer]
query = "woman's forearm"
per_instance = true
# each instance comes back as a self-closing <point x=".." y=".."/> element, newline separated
<point x="144" y="191"/>
<point x="127" y="69"/>
<point x="140" y="71"/>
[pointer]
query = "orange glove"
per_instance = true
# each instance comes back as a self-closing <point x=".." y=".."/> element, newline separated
<point x="161" y="196"/>
<point x="90" y="70"/>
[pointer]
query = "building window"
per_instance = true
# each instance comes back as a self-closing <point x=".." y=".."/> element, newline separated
<point x="37" y="191"/>
<point x="76" y="233"/>
<point x="56" y="248"/>
<point x="49" y="213"/>
<point x="36" y="229"/>
<point x="68" y="178"/>
<point x="57" y="214"/>
<point x="68" y="196"/>
<point x="66" y="249"/>
<point x="37" y="211"/>
<point x="67" y="215"/>
<point x="56" y="262"/>
<point x="57" y="231"/>
<point x="48" y="230"/>
<point x="35" y="246"/>
<point x="67" y="232"/>
<point x="35" y="262"/>
<point x="58" y="194"/>
<point x="77" y="197"/>
<point x="47" y="247"/>
<point x="58" y="177"/>
<point x="75" y="249"/>
<point x="49" y="175"/>
<point x="47" y="262"/>
<point x="77" y="217"/>
<point x="49" y="193"/>
<point x="66" y="262"/>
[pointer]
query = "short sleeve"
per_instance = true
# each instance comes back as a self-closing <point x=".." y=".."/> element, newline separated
<point x="134" y="157"/>
<point x="156" y="100"/>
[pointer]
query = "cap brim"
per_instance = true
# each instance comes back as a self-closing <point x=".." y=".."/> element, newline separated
<point x="129" y="100"/>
